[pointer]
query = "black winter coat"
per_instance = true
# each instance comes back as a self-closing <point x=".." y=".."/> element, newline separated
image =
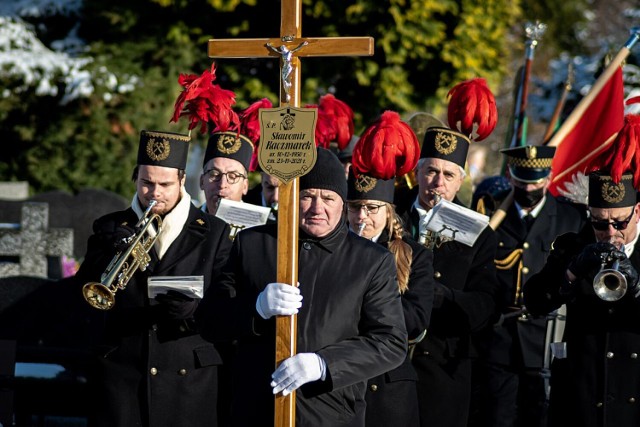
<point x="598" y="382"/>
<point x="466" y="292"/>
<point x="392" y="398"/>
<point x="152" y="370"/>
<point x="351" y="316"/>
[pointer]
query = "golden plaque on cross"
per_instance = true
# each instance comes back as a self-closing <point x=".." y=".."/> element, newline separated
<point x="287" y="148"/>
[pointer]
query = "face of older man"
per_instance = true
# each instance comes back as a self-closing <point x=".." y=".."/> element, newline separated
<point x="223" y="178"/>
<point x="617" y="226"/>
<point x="438" y="177"/>
<point x="161" y="184"/>
<point x="320" y="211"/>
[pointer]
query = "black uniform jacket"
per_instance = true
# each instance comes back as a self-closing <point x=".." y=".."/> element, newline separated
<point x="519" y="341"/>
<point x="351" y="316"/>
<point x="466" y="291"/>
<point x="598" y="383"/>
<point x="154" y="371"/>
<point x="392" y="398"/>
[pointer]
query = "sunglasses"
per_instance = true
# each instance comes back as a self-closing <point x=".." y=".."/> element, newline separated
<point x="601" y="225"/>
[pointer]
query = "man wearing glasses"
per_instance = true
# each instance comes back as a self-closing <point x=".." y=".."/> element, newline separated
<point x="594" y="272"/>
<point x="515" y="394"/>
<point x="225" y="169"/>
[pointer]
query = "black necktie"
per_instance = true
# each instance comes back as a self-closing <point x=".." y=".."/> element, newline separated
<point x="528" y="221"/>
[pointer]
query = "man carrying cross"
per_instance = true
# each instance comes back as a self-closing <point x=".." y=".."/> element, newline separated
<point x="350" y="321"/>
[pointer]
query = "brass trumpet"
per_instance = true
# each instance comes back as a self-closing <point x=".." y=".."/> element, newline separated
<point x="123" y="266"/>
<point x="609" y="284"/>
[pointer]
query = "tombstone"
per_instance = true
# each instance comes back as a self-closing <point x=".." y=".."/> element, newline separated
<point x="66" y="210"/>
<point x="32" y="241"/>
<point x="18" y="190"/>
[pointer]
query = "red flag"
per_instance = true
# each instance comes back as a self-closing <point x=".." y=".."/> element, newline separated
<point x="589" y="133"/>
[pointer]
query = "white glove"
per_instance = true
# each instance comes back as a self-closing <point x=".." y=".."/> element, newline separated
<point x="296" y="371"/>
<point x="278" y="299"/>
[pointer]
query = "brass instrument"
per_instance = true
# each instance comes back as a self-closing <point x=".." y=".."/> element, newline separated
<point x="123" y="266"/>
<point x="610" y="284"/>
<point x="361" y="228"/>
<point x="429" y="238"/>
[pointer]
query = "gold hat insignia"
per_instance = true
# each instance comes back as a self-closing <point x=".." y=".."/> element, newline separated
<point x="365" y="183"/>
<point x="445" y="144"/>
<point x="229" y="144"/>
<point x="158" y="150"/>
<point x="612" y="192"/>
<point x="532" y="152"/>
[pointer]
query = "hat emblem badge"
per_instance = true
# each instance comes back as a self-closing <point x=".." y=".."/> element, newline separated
<point x="229" y="144"/>
<point x="365" y="183"/>
<point x="532" y="152"/>
<point x="612" y="193"/>
<point x="158" y="150"/>
<point x="445" y="144"/>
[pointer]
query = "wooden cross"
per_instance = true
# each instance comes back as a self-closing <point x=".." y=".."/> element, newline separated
<point x="289" y="47"/>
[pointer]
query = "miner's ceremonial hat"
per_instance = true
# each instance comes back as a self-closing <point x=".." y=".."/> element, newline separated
<point x="529" y="163"/>
<point x="604" y="192"/>
<point x="446" y="144"/>
<point x="166" y="149"/>
<point x="229" y="144"/>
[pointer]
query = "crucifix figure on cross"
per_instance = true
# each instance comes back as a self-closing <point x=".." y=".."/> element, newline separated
<point x="287" y="68"/>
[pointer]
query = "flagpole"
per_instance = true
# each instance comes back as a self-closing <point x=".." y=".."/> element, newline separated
<point x="571" y="121"/>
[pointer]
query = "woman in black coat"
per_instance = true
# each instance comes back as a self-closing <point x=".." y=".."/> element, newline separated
<point x="392" y="397"/>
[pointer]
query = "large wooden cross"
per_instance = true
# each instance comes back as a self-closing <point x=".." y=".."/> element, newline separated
<point x="289" y="47"/>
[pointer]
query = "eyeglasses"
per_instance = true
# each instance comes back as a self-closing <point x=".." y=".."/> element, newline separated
<point x="368" y="209"/>
<point x="602" y="225"/>
<point x="232" y="177"/>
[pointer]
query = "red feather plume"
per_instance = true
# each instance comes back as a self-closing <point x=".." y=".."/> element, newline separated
<point x="623" y="155"/>
<point x="250" y="127"/>
<point x="472" y="109"/>
<point x="335" y="122"/>
<point x="205" y="102"/>
<point x="386" y="149"/>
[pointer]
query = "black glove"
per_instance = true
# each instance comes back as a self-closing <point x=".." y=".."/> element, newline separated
<point x="628" y="271"/>
<point x="441" y="293"/>
<point x="589" y="262"/>
<point x="121" y="235"/>
<point x="176" y="305"/>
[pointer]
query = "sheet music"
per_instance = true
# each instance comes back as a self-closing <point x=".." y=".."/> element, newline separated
<point x="242" y="214"/>
<point x="457" y="222"/>
<point x="191" y="286"/>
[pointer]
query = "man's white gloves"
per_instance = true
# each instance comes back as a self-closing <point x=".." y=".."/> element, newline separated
<point x="278" y="299"/>
<point x="296" y="371"/>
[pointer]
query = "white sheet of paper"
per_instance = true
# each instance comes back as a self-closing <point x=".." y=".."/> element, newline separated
<point x="191" y="286"/>
<point x="242" y="214"/>
<point x="462" y="224"/>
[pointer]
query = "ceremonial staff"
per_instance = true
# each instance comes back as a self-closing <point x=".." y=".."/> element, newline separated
<point x="534" y="33"/>
<point x="559" y="105"/>
<point x="289" y="47"/>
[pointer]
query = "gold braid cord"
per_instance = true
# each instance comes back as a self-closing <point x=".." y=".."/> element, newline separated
<point x="507" y="264"/>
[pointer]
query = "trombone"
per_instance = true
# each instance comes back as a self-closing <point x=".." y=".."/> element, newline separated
<point x="123" y="266"/>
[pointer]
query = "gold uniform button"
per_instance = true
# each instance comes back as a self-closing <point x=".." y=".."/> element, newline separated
<point x="634" y="355"/>
<point x="182" y="372"/>
<point x="373" y="387"/>
<point x="525" y="245"/>
<point x="632" y="400"/>
<point x="610" y="355"/>
<point x="501" y="244"/>
<point x="153" y="371"/>
<point x="525" y="270"/>
<point x="599" y="405"/>
<point x="437" y="275"/>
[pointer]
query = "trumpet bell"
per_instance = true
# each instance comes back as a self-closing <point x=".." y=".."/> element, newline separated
<point x="610" y="285"/>
<point x="98" y="296"/>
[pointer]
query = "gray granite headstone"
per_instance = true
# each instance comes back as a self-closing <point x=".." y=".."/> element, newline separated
<point x="18" y="190"/>
<point x="32" y="242"/>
